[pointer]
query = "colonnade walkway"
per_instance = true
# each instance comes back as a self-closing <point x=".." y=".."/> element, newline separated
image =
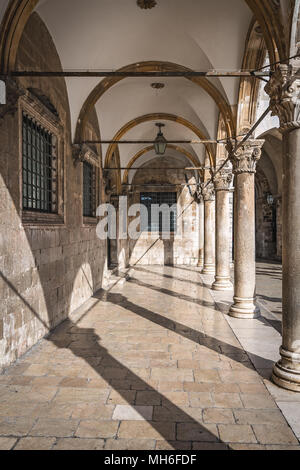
<point x="153" y="364"/>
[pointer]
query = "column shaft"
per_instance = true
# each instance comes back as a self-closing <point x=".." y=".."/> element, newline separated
<point x="209" y="237"/>
<point x="201" y="232"/>
<point x="283" y="89"/>
<point x="287" y="371"/>
<point x="223" y="236"/>
<point x="244" y="248"/>
<point x="244" y="162"/>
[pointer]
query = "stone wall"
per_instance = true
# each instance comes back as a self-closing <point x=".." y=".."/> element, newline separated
<point x="183" y="248"/>
<point x="268" y="221"/>
<point x="49" y="268"/>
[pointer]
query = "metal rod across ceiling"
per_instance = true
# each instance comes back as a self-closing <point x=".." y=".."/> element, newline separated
<point x="117" y="142"/>
<point x="110" y="73"/>
<point x="154" y="169"/>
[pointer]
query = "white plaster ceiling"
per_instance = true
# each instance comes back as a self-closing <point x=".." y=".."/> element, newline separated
<point x="106" y="35"/>
<point x="135" y="97"/>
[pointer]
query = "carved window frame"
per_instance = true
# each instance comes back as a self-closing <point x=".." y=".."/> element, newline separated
<point x="86" y="154"/>
<point x="30" y="105"/>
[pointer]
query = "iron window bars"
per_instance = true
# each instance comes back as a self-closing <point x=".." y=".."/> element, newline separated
<point x="39" y="167"/>
<point x="150" y="198"/>
<point x="89" y="190"/>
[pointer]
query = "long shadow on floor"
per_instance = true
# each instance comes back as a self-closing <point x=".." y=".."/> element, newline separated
<point x="168" y="276"/>
<point x="171" y="422"/>
<point x="232" y="352"/>
<point x="163" y="290"/>
<point x="270" y="299"/>
<point x="191" y="270"/>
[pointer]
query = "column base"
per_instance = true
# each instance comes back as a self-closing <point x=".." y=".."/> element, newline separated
<point x="200" y="263"/>
<point x="286" y="373"/>
<point x="222" y="284"/>
<point x="244" y="308"/>
<point x="209" y="269"/>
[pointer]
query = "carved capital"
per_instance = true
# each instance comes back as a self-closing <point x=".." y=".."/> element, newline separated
<point x="208" y="192"/>
<point x="114" y="200"/>
<point x="223" y="179"/>
<point x="245" y="158"/>
<point x="284" y="92"/>
<point x="83" y="153"/>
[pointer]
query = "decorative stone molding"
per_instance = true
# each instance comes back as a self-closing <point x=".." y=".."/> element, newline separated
<point x="114" y="200"/>
<point x="30" y="104"/>
<point x="223" y="179"/>
<point x="284" y="91"/>
<point x="13" y="92"/>
<point x="83" y="153"/>
<point x="208" y="192"/>
<point x="245" y="158"/>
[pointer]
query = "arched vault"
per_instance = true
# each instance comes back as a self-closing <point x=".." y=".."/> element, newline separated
<point x="153" y="117"/>
<point x="148" y="149"/>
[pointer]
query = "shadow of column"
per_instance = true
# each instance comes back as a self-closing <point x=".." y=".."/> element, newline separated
<point x="170" y="422"/>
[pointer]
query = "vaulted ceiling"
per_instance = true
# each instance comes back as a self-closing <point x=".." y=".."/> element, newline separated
<point x="108" y="35"/>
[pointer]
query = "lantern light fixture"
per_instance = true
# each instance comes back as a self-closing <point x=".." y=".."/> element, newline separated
<point x="160" y="143"/>
<point x="270" y="199"/>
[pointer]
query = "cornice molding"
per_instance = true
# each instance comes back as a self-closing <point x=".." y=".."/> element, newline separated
<point x="83" y="153"/>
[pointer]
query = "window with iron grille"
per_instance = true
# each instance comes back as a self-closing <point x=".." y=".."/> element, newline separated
<point x="148" y="200"/>
<point x="89" y="190"/>
<point x="39" y="168"/>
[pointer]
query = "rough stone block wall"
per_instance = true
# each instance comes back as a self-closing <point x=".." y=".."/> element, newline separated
<point x="265" y="232"/>
<point x="47" y="271"/>
<point x="268" y="221"/>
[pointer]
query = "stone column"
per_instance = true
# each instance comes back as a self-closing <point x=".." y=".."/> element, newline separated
<point x="222" y="182"/>
<point x="209" y="229"/>
<point x="201" y="230"/>
<point x="244" y="162"/>
<point x="284" y="90"/>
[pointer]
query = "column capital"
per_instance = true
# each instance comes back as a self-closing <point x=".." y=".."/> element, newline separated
<point x="284" y="92"/>
<point x="208" y="192"/>
<point x="245" y="158"/>
<point x="223" y="179"/>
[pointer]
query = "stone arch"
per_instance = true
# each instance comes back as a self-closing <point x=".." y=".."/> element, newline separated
<point x="12" y="26"/>
<point x="269" y="16"/>
<point x="145" y="150"/>
<point x="295" y="30"/>
<point x="157" y="116"/>
<point x="114" y="182"/>
<point x="154" y="66"/>
<point x="267" y="13"/>
<point x="254" y="57"/>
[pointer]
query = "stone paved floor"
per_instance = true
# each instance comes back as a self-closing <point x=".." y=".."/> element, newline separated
<point x="269" y="290"/>
<point x="155" y="366"/>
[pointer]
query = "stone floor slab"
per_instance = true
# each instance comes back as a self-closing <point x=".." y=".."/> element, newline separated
<point x="130" y="413"/>
<point x="154" y="366"/>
